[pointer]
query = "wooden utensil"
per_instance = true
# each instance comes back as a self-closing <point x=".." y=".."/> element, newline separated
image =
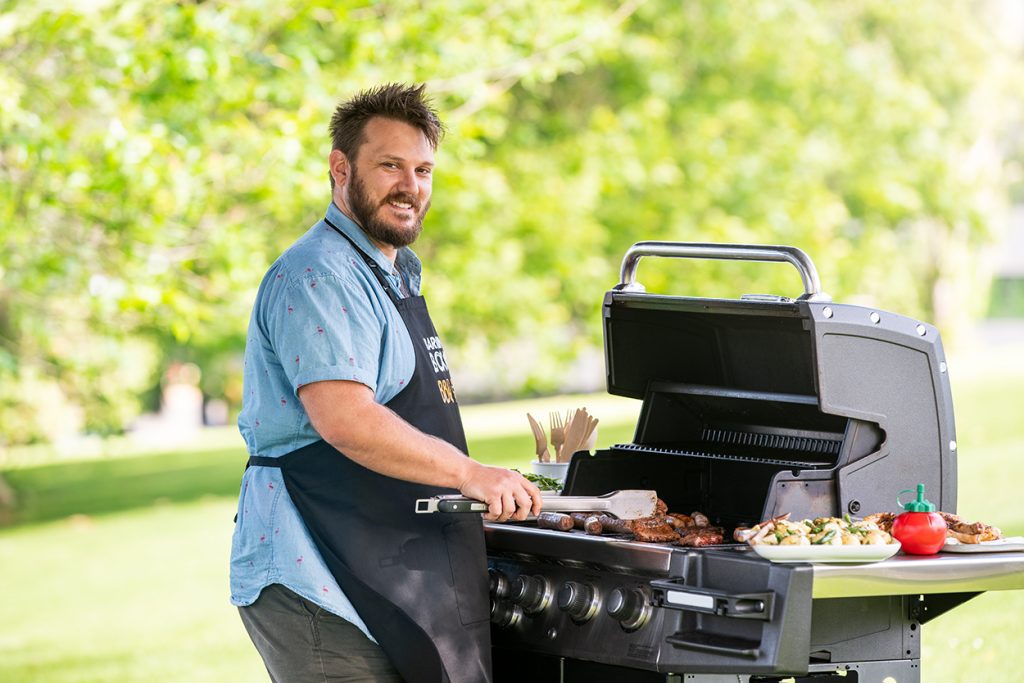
<point x="575" y="434"/>
<point x="626" y="504"/>
<point x="541" y="438"/>
<point x="590" y="440"/>
<point x="557" y="434"/>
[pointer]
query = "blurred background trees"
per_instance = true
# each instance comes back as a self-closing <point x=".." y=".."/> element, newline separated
<point x="156" y="155"/>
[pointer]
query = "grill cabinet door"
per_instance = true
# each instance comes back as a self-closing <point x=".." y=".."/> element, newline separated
<point x="736" y="613"/>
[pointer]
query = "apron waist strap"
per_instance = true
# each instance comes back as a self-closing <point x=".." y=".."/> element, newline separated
<point x="261" y="461"/>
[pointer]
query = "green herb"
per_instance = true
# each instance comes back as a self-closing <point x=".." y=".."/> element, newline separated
<point x="542" y="482"/>
<point x="826" y="538"/>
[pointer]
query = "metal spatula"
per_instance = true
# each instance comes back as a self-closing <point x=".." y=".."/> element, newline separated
<point x="628" y="504"/>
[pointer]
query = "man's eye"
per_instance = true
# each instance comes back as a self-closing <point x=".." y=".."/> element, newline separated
<point x="424" y="171"/>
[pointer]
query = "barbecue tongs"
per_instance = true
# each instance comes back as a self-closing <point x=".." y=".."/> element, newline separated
<point x="628" y="504"/>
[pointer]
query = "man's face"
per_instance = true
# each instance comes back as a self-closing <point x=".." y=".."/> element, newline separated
<point x="389" y="186"/>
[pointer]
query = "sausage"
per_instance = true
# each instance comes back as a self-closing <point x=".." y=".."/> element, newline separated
<point x="679" y="520"/>
<point x="554" y="520"/>
<point x="614" y="524"/>
<point x="579" y="519"/>
<point x="587" y="521"/>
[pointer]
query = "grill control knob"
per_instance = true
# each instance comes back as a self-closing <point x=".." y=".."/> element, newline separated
<point x="505" y="614"/>
<point x="629" y="607"/>
<point x="499" y="583"/>
<point x="531" y="592"/>
<point x="578" y="600"/>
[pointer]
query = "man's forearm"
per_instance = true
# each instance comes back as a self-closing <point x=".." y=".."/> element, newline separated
<point x="378" y="439"/>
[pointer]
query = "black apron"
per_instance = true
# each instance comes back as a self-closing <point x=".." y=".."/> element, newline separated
<point x="419" y="581"/>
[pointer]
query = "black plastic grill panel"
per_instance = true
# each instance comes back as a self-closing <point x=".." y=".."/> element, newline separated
<point x="785" y="464"/>
<point x="780" y="441"/>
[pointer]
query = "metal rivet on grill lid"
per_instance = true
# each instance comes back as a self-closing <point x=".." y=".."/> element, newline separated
<point x="942" y="367"/>
<point x="921" y="330"/>
<point x="952" y="445"/>
<point x="875" y="318"/>
<point x="827" y="311"/>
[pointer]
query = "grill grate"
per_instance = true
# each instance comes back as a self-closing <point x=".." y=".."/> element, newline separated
<point x="781" y="441"/>
<point x="686" y="453"/>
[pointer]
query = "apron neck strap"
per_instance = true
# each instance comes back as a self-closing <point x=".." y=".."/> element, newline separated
<point x="374" y="267"/>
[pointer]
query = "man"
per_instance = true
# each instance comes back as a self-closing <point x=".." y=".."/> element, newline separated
<point x="349" y="416"/>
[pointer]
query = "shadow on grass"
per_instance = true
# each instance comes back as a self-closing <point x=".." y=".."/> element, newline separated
<point x="97" y="487"/>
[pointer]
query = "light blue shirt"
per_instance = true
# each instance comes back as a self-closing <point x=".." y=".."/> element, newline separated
<point x="320" y="314"/>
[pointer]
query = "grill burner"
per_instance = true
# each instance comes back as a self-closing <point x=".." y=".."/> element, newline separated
<point x="751" y="408"/>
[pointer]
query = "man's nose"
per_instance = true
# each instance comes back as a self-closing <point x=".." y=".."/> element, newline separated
<point x="407" y="181"/>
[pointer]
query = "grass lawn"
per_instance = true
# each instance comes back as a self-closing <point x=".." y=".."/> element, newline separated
<point x="116" y="569"/>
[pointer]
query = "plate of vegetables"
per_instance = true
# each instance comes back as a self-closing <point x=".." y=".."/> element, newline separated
<point x="823" y="539"/>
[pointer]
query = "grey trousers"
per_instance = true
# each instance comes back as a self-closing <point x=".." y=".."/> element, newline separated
<point x="300" y="642"/>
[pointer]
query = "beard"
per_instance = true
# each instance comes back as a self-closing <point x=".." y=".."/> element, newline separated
<point x="376" y="226"/>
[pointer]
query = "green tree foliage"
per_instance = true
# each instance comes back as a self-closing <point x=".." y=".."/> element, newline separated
<point x="156" y="155"/>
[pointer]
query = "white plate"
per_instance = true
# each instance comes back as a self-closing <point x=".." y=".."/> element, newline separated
<point x="1001" y="546"/>
<point x="826" y="553"/>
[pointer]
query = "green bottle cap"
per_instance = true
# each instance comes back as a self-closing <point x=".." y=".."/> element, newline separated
<point x="919" y="505"/>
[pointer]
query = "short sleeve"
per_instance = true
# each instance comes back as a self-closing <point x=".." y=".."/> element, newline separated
<point x="323" y="326"/>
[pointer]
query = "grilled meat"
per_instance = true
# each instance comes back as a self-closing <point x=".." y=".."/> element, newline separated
<point x="654" y="530"/>
<point x="696" y="538"/>
<point x="554" y="520"/>
<point x="883" y="520"/>
<point x="660" y="508"/>
<point x="679" y="520"/>
<point x="693" y="530"/>
<point x="615" y="525"/>
<point x="974" y="532"/>
<point x="579" y="519"/>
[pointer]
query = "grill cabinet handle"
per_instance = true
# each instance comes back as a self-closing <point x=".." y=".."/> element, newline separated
<point x="725" y="252"/>
<point x="672" y="595"/>
<point x="715" y="644"/>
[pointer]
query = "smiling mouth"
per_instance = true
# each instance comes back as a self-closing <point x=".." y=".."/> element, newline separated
<point x="400" y="202"/>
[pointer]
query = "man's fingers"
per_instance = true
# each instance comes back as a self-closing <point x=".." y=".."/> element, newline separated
<point x="508" y="503"/>
<point x="523" y="506"/>
<point x="493" y="510"/>
<point x="538" y="501"/>
<point x="536" y="498"/>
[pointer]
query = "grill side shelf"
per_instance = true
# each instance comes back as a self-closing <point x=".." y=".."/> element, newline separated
<point x="686" y="453"/>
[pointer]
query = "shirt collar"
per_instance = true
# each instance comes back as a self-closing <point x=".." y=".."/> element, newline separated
<point x="406" y="258"/>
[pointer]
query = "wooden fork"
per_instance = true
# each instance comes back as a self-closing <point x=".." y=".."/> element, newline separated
<point x="557" y="434"/>
<point x="540" y="438"/>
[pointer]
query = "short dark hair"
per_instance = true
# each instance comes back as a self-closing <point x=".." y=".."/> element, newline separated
<point x="396" y="101"/>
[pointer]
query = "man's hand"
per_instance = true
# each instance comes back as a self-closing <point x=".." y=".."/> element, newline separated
<point x="508" y="494"/>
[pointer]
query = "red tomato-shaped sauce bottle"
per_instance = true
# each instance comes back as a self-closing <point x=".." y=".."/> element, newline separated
<point x="919" y="529"/>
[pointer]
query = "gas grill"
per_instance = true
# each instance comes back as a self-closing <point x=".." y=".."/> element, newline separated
<point x="752" y="408"/>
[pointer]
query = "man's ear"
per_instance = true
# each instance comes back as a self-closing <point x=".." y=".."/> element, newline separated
<point x="338" y="164"/>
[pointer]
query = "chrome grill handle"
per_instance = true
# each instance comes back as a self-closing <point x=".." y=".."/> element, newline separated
<point x="724" y="252"/>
